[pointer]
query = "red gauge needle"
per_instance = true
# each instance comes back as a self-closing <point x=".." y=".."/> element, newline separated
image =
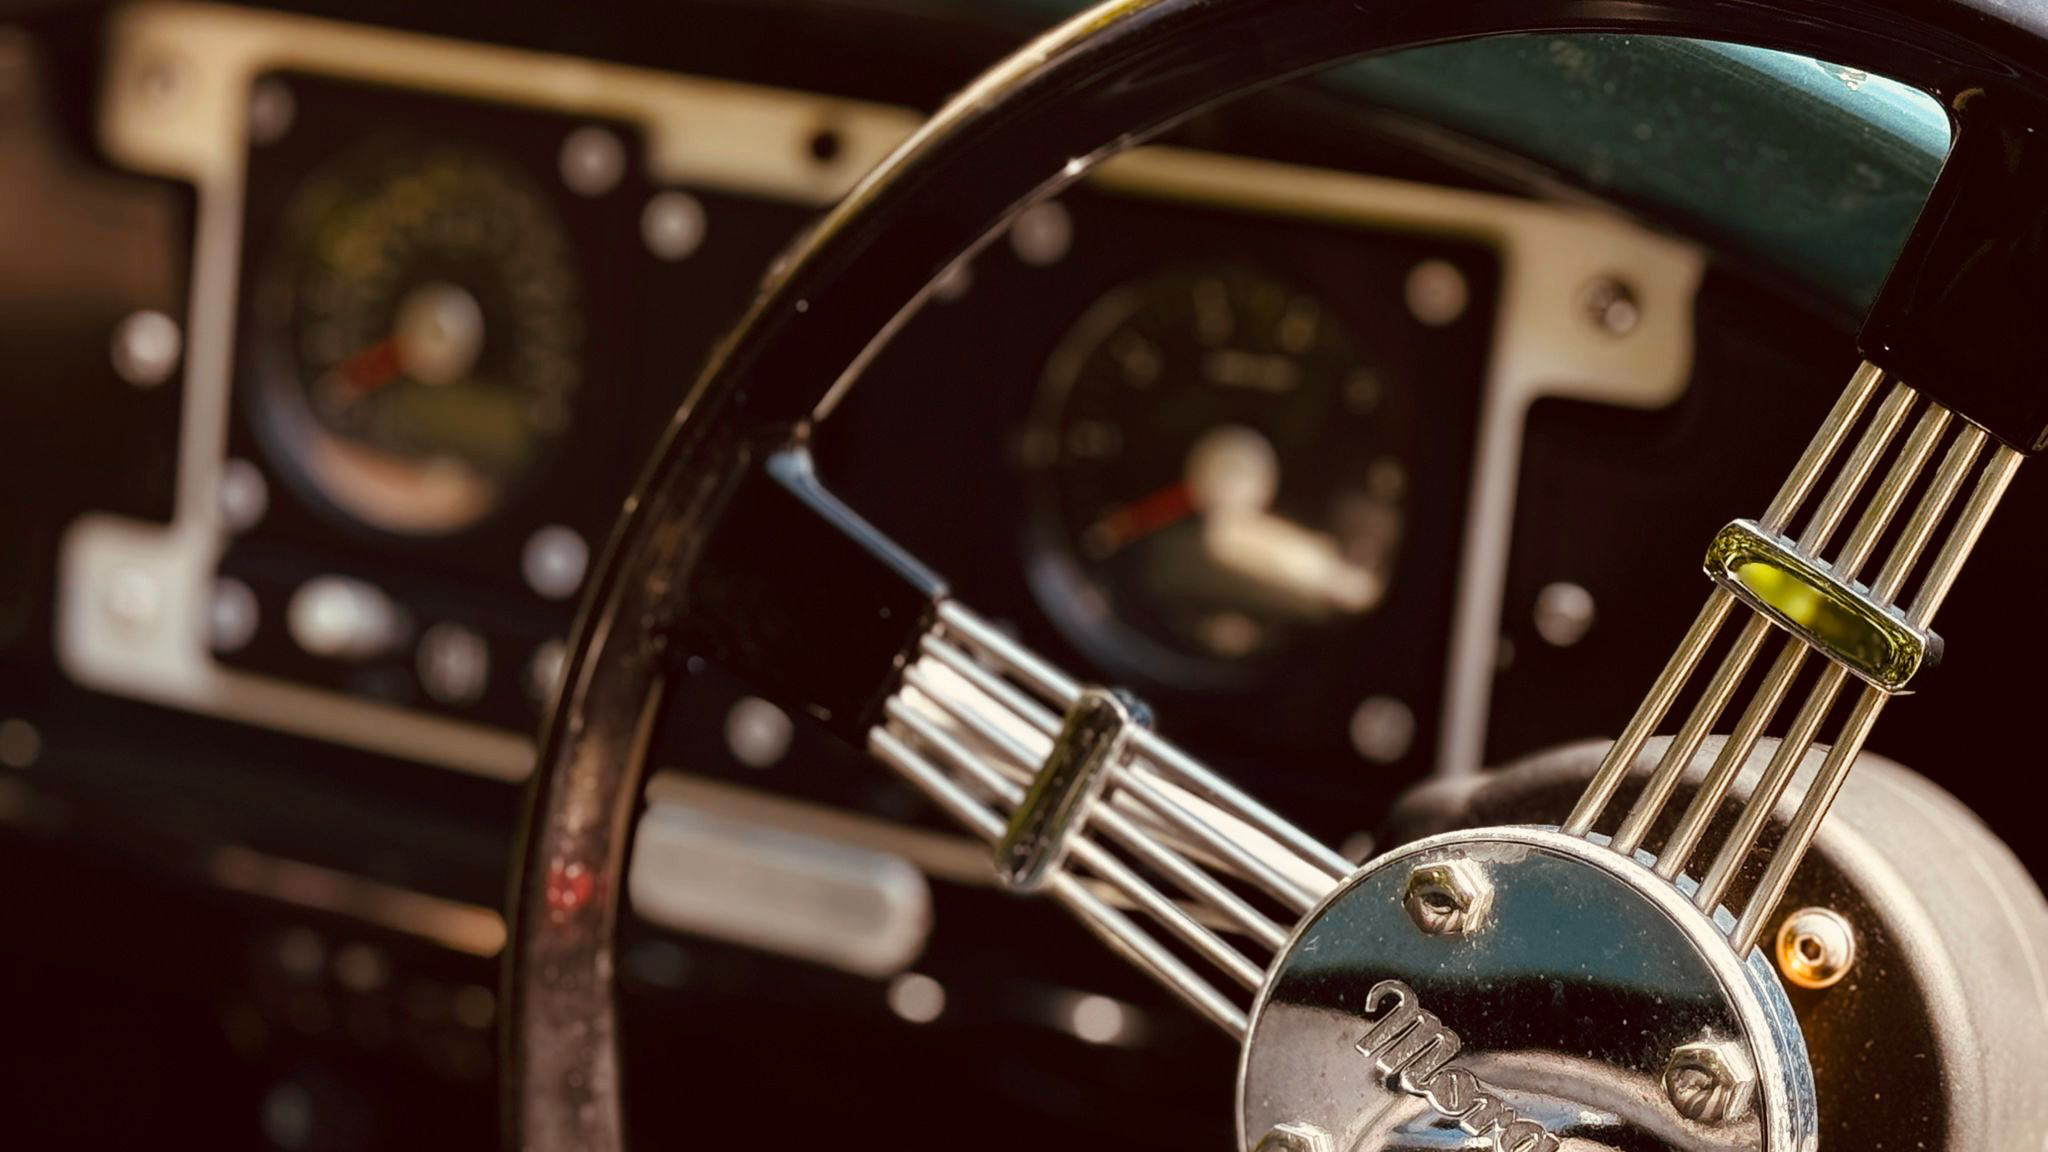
<point x="1125" y="525"/>
<point x="371" y="368"/>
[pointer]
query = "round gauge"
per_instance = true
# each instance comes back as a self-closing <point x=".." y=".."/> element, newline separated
<point x="1219" y="469"/>
<point x="418" y="336"/>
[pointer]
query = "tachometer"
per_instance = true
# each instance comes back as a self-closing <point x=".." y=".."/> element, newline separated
<point x="419" y="336"/>
<point x="1219" y="472"/>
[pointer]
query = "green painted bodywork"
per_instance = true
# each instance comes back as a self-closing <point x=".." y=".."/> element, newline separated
<point x="1820" y="168"/>
<point x="1816" y="168"/>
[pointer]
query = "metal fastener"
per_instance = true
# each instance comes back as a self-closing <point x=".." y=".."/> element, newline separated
<point x="1382" y="729"/>
<point x="1564" y="613"/>
<point x="1042" y="234"/>
<point x="1449" y="897"/>
<point x="145" y="348"/>
<point x="1710" y="1081"/>
<point x="554" y="561"/>
<point x="454" y="663"/>
<point x="1436" y="292"/>
<point x="1294" y="1138"/>
<point x="1612" y="306"/>
<point x="593" y="161"/>
<point x="1816" y="947"/>
<point x="673" y="225"/>
<point x="272" y="108"/>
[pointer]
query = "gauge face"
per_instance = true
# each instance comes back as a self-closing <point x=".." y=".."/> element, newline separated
<point x="419" y="336"/>
<point x="1219" y="471"/>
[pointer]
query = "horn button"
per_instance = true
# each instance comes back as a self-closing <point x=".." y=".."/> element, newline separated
<point x="1520" y="990"/>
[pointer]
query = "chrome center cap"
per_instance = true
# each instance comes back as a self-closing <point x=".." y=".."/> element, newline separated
<point x="1520" y="990"/>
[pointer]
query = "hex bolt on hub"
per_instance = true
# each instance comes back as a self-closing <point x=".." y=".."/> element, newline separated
<point x="1449" y="897"/>
<point x="1710" y="1081"/>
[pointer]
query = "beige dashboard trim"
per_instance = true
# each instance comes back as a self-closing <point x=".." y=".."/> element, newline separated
<point x="175" y="105"/>
<point x="177" y="99"/>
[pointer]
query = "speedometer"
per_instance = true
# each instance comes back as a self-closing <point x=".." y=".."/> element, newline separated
<point x="419" y="336"/>
<point x="1219" y="473"/>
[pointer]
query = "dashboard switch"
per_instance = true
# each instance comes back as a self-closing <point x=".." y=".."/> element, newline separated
<point x="454" y="664"/>
<point x="342" y="619"/>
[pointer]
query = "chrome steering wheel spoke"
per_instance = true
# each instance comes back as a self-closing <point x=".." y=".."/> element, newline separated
<point x="1170" y="864"/>
<point x="1874" y="632"/>
<point x="1083" y="801"/>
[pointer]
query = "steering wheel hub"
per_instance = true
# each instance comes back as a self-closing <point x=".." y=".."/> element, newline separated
<point x="1522" y="987"/>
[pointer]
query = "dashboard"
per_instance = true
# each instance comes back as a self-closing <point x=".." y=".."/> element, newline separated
<point x="1360" y="465"/>
<point x="432" y="301"/>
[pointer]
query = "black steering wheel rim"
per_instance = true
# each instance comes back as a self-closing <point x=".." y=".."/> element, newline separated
<point x="1036" y="122"/>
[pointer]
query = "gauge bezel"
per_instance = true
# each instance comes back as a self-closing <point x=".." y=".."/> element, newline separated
<point x="318" y="459"/>
<point x="1062" y="582"/>
<point x="476" y="575"/>
<point x="339" y="116"/>
<point x="945" y="466"/>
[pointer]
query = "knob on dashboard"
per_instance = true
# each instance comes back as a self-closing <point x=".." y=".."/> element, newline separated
<point x="338" y="618"/>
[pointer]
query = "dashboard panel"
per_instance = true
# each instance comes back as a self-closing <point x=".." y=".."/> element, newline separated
<point x="369" y="689"/>
<point x="360" y="580"/>
<point x="1337" y="441"/>
<point x="433" y="329"/>
<point x="1123" y="411"/>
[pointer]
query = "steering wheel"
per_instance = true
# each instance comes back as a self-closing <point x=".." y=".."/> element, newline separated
<point x="1420" y="993"/>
